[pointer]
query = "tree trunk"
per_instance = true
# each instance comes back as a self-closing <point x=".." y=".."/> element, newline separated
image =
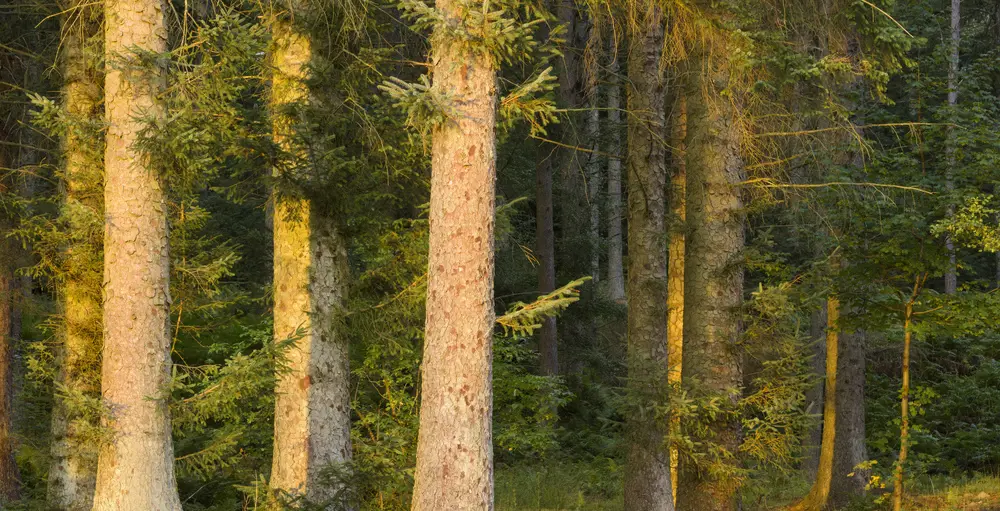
<point x="545" y="251"/>
<point x="814" y="396"/>
<point x="818" y="496"/>
<point x="675" y="264"/>
<point x="312" y="418"/>
<point x="10" y="480"/>
<point x="848" y="482"/>
<point x="455" y="449"/>
<point x="951" y="274"/>
<point x="904" y="405"/>
<point x="593" y="136"/>
<point x="73" y="468"/>
<point x="136" y="467"/>
<point x="616" y="272"/>
<point x="713" y="280"/>
<point x="647" y="470"/>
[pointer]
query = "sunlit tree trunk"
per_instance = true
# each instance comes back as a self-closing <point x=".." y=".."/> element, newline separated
<point x="545" y="251"/>
<point x="814" y="396"/>
<point x="647" y="470"/>
<point x="675" y="263"/>
<point x="312" y="421"/>
<point x="713" y="277"/>
<point x="455" y="449"/>
<point x="819" y="494"/>
<point x="135" y="468"/>
<point x="904" y="394"/>
<point x="616" y="273"/>
<point x="73" y="469"/>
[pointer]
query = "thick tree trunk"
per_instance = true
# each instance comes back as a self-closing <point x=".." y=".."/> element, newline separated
<point x="135" y="468"/>
<point x="616" y="272"/>
<point x="951" y="274"/>
<point x="73" y="469"/>
<point x="455" y="449"/>
<point x="593" y="136"/>
<point x="312" y="421"/>
<point x="545" y="251"/>
<point x="818" y="496"/>
<point x="814" y="396"/>
<point x="713" y="279"/>
<point x="849" y="449"/>
<point x="10" y="480"/>
<point x="675" y="263"/>
<point x="647" y="471"/>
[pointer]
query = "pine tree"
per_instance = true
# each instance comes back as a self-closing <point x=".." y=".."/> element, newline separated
<point x="312" y="421"/>
<point x="73" y="470"/>
<point x="616" y="273"/>
<point x="454" y="449"/>
<point x="10" y="480"/>
<point x="136" y="464"/>
<point x="647" y="475"/>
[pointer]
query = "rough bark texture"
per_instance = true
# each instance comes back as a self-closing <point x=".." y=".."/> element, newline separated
<point x="819" y="493"/>
<point x="849" y="444"/>
<point x="675" y="263"/>
<point x="10" y="480"/>
<point x="713" y="280"/>
<point x="545" y="251"/>
<point x="647" y="472"/>
<point x="814" y="396"/>
<point x="616" y="272"/>
<point x="455" y="449"/>
<point x="312" y="418"/>
<point x="73" y="469"/>
<point x="136" y="467"/>
<point x="593" y="136"/>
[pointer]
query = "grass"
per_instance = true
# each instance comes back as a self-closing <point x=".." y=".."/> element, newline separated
<point x="560" y="486"/>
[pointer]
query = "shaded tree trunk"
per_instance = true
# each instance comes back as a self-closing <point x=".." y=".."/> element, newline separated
<point x="10" y="480"/>
<point x="616" y="272"/>
<point x="647" y="470"/>
<point x="455" y="449"/>
<point x="592" y="135"/>
<point x="713" y="277"/>
<point x="545" y="251"/>
<point x="951" y="274"/>
<point x="849" y="449"/>
<point x="135" y="469"/>
<point x="312" y="421"/>
<point x="73" y="468"/>
<point x="814" y="396"/>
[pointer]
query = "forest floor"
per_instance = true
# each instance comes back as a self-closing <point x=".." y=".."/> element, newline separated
<point x="596" y="486"/>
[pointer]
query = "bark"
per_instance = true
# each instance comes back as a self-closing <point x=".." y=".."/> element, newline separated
<point x="616" y="272"/>
<point x="904" y="405"/>
<point x="312" y="419"/>
<point x="73" y="468"/>
<point x="814" y="396"/>
<point x="647" y="471"/>
<point x="848" y="482"/>
<point x="545" y="251"/>
<point x="713" y="280"/>
<point x="10" y="480"/>
<point x="818" y="496"/>
<point x="592" y="135"/>
<point x="455" y="449"/>
<point x="136" y="466"/>
<point x="951" y="274"/>
<point x="675" y="265"/>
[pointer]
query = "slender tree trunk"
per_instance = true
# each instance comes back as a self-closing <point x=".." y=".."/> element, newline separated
<point x="675" y="265"/>
<point x="570" y="185"/>
<point x="73" y="469"/>
<point x="592" y="135"/>
<point x="10" y="480"/>
<point x="951" y="275"/>
<point x="312" y="421"/>
<point x="545" y="251"/>
<point x="616" y="272"/>
<point x="455" y="449"/>
<point x="647" y="470"/>
<point x="814" y="396"/>
<point x="135" y="468"/>
<point x="818" y="496"/>
<point x="904" y="431"/>
<point x="713" y="279"/>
